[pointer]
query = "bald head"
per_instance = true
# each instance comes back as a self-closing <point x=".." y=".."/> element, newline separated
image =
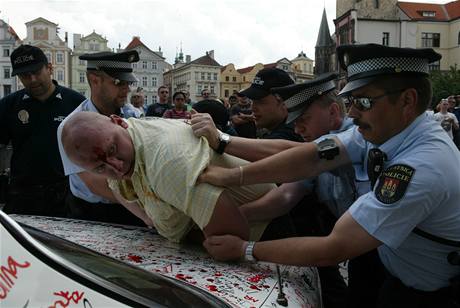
<point x="80" y="129"/>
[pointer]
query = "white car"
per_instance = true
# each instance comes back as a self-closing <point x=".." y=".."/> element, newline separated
<point x="55" y="262"/>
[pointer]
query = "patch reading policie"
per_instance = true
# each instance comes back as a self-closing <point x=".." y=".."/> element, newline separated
<point x="393" y="183"/>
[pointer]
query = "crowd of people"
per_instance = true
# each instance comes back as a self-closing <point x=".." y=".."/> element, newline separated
<point x="365" y="171"/>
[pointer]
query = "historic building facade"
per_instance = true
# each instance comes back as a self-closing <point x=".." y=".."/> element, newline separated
<point x="9" y="40"/>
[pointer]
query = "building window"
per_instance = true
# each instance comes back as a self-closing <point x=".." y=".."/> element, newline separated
<point x="386" y="39"/>
<point x="154" y="65"/>
<point x="6" y="73"/>
<point x="215" y="76"/>
<point x="81" y="62"/>
<point x="59" y="58"/>
<point x="6" y="52"/>
<point x="82" y="77"/>
<point x="212" y="89"/>
<point x="428" y="14"/>
<point x="209" y="76"/>
<point x="93" y="47"/>
<point x="244" y="78"/>
<point x="144" y="81"/>
<point x="431" y="39"/>
<point x="48" y="56"/>
<point x="458" y="38"/>
<point x="434" y="66"/>
<point x="285" y="67"/>
<point x="154" y="99"/>
<point x="82" y="92"/>
<point x="376" y="4"/>
<point x="227" y="78"/>
<point x="6" y="89"/>
<point x="154" y="81"/>
<point x="60" y="75"/>
<point x="144" y="65"/>
<point x="199" y="88"/>
<point x="226" y="93"/>
<point x="234" y="79"/>
<point x="202" y="76"/>
<point x="134" y="65"/>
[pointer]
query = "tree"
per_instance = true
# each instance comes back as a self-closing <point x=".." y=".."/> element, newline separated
<point x="445" y="83"/>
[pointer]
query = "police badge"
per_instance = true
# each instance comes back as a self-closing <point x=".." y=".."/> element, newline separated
<point x="393" y="183"/>
<point x="23" y="116"/>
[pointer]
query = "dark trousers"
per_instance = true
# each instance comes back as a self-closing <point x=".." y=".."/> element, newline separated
<point x="42" y="200"/>
<point x="104" y="212"/>
<point x="394" y="294"/>
<point x="365" y="277"/>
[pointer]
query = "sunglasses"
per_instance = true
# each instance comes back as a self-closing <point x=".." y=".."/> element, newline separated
<point x="164" y="92"/>
<point x="366" y="103"/>
<point x="122" y="83"/>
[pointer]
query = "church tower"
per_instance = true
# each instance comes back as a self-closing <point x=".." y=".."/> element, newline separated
<point x="324" y="49"/>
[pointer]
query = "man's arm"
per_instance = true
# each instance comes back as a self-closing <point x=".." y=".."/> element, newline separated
<point x="291" y="165"/>
<point x="98" y="185"/>
<point x="347" y="240"/>
<point x="245" y="148"/>
<point x="275" y="203"/>
<point x="134" y="208"/>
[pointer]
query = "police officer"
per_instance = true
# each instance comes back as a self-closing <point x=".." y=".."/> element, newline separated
<point x="29" y="119"/>
<point x="109" y="76"/>
<point x="412" y="213"/>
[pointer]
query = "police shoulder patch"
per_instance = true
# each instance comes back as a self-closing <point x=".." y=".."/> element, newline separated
<point x="393" y="183"/>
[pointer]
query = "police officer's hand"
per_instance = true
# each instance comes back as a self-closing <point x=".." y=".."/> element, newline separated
<point x="225" y="247"/>
<point x="219" y="176"/>
<point x="203" y="126"/>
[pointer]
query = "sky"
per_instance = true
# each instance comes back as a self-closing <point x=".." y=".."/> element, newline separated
<point x="242" y="32"/>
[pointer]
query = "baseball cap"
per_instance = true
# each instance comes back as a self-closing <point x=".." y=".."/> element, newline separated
<point x="26" y="59"/>
<point x="266" y="79"/>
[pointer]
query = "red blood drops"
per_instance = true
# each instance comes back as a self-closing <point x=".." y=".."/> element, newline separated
<point x="210" y="280"/>
<point x="218" y="274"/>
<point x="212" y="288"/>
<point x="254" y="287"/>
<point x="135" y="258"/>
<point x="181" y="277"/>
<point x="256" y="278"/>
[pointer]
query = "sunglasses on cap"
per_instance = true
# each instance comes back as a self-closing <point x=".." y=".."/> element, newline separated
<point x="366" y="103"/>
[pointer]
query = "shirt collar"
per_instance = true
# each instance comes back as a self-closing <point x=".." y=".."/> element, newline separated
<point x="402" y="140"/>
<point x="56" y="94"/>
<point x="346" y="124"/>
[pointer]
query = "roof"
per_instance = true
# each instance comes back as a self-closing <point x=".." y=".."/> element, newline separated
<point x="442" y="12"/>
<point x="136" y="42"/>
<point x="41" y="19"/>
<point x="245" y="69"/>
<point x="301" y="56"/>
<point x="205" y="60"/>
<point x="324" y="36"/>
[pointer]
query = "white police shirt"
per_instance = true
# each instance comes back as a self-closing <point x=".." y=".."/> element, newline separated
<point x="338" y="189"/>
<point x="419" y="187"/>
<point x="77" y="186"/>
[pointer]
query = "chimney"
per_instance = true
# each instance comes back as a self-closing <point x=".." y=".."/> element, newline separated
<point x="188" y="58"/>
<point x="66" y="38"/>
<point x="211" y="53"/>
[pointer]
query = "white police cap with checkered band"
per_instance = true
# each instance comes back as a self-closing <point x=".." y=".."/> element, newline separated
<point x="298" y="97"/>
<point x="364" y="63"/>
<point x="117" y="65"/>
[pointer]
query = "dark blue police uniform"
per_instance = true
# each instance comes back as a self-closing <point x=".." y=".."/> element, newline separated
<point x="37" y="182"/>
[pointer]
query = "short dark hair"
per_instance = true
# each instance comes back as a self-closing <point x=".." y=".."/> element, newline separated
<point x="161" y="87"/>
<point x="420" y="83"/>
<point x="202" y="91"/>
<point x="179" y="93"/>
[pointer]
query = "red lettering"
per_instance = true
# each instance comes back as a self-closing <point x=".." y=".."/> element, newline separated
<point x="75" y="297"/>
<point x="9" y="272"/>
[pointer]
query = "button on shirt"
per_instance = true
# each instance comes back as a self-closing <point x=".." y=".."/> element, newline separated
<point x="430" y="202"/>
<point x="77" y="186"/>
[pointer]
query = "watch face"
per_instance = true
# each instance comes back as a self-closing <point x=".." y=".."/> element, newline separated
<point x="224" y="137"/>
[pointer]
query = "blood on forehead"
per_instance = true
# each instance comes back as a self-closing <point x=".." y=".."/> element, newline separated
<point x="100" y="154"/>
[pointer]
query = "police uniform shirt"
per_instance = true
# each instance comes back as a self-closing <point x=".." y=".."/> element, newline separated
<point x="419" y="187"/>
<point x="77" y="186"/>
<point x="337" y="189"/>
<point x="31" y="126"/>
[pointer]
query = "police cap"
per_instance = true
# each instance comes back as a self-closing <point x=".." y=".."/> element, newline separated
<point x="116" y="65"/>
<point x="298" y="97"/>
<point x="365" y="63"/>
<point x="264" y="80"/>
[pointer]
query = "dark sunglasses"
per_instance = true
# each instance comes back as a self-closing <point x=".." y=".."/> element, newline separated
<point x="122" y="83"/>
<point x="164" y="92"/>
<point x="366" y="103"/>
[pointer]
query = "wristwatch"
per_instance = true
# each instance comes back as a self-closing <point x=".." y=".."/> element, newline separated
<point x="328" y="149"/>
<point x="249" y="253"/>
<point x="224" y="139"/>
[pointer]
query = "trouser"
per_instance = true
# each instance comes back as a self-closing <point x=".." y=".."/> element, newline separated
<point x="365" y="277"/>
<point x="43" y="200"/>
<point x="104" y="212"/>
<point x="394" y="294"/>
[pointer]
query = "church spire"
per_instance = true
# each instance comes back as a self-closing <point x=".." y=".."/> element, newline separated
<point x="324" y="36"/>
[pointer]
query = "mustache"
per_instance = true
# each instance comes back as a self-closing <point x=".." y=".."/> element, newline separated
<point x="360" y="124"/>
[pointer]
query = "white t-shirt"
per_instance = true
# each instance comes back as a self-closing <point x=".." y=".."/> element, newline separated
<point x="446" y="123"/>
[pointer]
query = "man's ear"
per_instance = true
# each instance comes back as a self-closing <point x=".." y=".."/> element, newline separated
<point x="118" y="121"/>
